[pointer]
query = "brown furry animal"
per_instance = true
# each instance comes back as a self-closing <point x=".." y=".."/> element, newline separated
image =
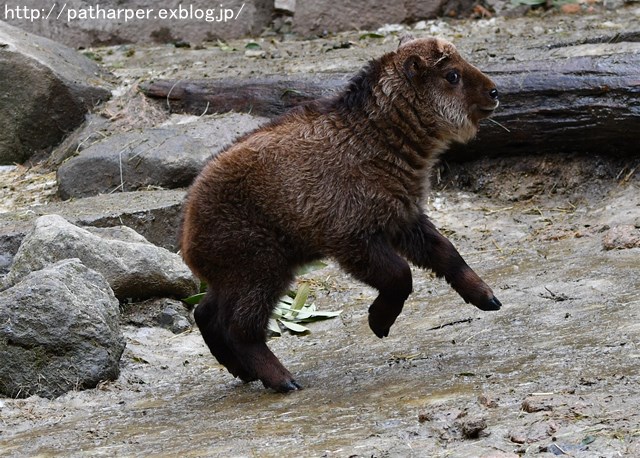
<point x="341" y="177"/>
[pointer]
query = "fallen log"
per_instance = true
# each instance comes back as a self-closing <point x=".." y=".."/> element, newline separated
<point x="572" y="104"/>
<point x="266" y="96"/>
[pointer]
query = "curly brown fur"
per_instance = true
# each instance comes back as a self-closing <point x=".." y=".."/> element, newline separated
<point x="342" y="178"/>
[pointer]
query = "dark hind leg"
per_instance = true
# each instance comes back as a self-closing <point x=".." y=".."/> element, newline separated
<point x="246" y="296"/>
<point x="257" y="291"/>
<point x="211" y="325"/>
<point x="375" y="263"/>
<point x="424" y="246"/>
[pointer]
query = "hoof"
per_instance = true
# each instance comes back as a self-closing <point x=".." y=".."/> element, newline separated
<point x="285" y="387"/>
<point x="490" y="305"/>
<point x="380" y="332"/>
<point x="379" y="329"/>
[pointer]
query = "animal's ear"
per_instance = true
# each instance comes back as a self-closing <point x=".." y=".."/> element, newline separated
<point x="414" y="66"/>
<point x="405" y="38"/>
<point x="441" y="51"/>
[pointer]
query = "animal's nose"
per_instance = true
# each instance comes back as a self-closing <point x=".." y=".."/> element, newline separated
<point x="493" y="93"/>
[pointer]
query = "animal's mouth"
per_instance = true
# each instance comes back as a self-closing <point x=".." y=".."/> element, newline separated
<point x="486" y="111"/>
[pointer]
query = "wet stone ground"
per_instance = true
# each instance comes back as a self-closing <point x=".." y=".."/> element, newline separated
<point x="555" y="372"/>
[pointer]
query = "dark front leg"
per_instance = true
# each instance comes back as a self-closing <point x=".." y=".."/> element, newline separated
<point x="425" y="247"/>
<point x="375" y="263"/>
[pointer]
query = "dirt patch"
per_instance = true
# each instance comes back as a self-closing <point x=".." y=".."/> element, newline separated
<point x="574" y="177"/>
<point x="23" y="187"/>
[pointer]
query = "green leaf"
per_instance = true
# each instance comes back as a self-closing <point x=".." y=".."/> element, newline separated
<point x="283" y="314"/>
<point x="301" y="297"/>
<point x="225" y="47"/>
<point x="273" y="326"/>
<point x="193" y="300"/>
<point x="281" y="310"/>
<point x="303" y="315"/>
<point x="252" y="45"/>
<point x="371" y="35"/>
<point x="294" y="327"/>
<point x="324" y="314"/>
<point x="312" y="266"/>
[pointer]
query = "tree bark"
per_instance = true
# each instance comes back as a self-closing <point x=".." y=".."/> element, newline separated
<point x="587" y="103"/>
<point x="266" y="96"/>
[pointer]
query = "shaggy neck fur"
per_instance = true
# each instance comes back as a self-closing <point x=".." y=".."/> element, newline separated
<point x="382" y="96"/>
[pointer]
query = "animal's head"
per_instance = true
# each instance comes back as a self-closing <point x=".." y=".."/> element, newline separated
<point x="446" y="86"/>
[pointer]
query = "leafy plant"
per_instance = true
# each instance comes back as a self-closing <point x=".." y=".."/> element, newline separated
<point x="292" y="310"/>
<point x="366" y="35"/>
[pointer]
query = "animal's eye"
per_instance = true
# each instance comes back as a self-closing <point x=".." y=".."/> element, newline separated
<point x="453" y="77"/>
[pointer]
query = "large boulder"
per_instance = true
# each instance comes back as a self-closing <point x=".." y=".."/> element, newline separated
<point x="130" y="161"/>
<point x="108" y="22"/>
<point x="321" y="16"/>
<point x="153" y="214"/>
<point x="45" y="91"/>
<point x="167" y="157"/>
<point x="59" y="331"/>
<point x="133" y="267"/>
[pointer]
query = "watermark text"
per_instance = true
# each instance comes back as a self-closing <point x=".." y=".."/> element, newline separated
<point x="62" y="12"/>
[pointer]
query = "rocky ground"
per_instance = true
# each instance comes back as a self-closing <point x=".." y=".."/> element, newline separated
<point x="555" y="372"/>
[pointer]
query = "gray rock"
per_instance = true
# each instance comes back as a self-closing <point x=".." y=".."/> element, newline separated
<point x="165" y="313"/>
<point x="131" y="161"/>
<point x="45" y="91"/>
<point x="93" y="130"/>
<point x="118" y="233"/>
<point x="5" y="261"/>
<point x="79" y="25"/>
<point x="167" y="157"/>
<point x="10" y="240"/>
<point x="621" y="237"/>
<point x="175" y="318"/>
<point x="318" y="17"/>
<point x="153" y="214"/>
<point x="59" y="331"/>
<point x="287" y="6"/>
<point x="133" y="267"/>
